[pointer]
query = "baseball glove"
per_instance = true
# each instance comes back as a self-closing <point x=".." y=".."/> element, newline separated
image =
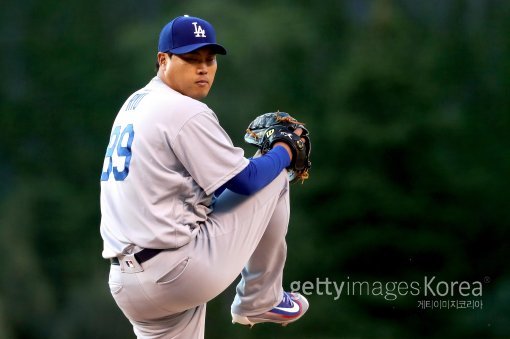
<point x="269" y="128"/>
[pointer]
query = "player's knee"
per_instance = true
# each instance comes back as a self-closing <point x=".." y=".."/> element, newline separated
<point x="282" y="180"/>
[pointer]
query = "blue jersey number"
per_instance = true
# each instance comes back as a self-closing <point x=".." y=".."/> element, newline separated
<point x="118" y="154"/>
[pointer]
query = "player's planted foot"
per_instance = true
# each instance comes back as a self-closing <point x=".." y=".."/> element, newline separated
<point x="292" y="307"/>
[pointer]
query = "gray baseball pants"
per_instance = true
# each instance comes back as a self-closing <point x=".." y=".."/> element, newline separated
<point x="166" y="296"/>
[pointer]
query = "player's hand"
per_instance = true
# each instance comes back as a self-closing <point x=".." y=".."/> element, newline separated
<point x="297" y="131"/>
<point x="280" y="129"/>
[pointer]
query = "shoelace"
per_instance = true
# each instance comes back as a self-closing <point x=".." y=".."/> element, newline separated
<point x="286" y="301"/>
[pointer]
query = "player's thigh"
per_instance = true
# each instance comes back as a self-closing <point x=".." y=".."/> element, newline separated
<point x="184" y="278"/>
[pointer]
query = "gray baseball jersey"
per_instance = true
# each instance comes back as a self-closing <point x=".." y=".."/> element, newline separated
<point x="166" y="156"/>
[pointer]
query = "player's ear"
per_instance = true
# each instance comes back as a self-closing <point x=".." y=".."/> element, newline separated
<point x="162" y="58"/>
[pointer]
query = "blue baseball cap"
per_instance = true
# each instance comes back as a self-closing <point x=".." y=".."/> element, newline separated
<point x="185" y="34"/>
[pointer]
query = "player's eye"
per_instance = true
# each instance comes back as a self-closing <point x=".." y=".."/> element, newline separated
<point x="189" y="58"/>
<point x="194" y="59"/>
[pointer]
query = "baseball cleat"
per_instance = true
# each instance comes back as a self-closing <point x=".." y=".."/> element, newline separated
<point x="291" y="308"/>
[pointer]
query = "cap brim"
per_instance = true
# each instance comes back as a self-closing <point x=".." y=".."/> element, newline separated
<point x="218" y="49"/>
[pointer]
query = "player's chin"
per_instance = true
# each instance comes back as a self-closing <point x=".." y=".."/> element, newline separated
<point x="200" y="93"/>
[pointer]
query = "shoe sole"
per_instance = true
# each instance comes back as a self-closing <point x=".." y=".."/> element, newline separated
<point x="242" y="320"/>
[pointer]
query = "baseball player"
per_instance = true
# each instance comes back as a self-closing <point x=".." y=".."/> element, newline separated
<point x="183" y="211"/>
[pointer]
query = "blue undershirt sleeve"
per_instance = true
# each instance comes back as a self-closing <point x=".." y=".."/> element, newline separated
<point x="259" y="172"/>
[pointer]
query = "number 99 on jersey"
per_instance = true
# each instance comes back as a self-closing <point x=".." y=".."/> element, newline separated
<point x="118" y="153"/>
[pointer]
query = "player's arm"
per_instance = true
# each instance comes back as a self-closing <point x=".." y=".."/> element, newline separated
<point x="259" y="172"/>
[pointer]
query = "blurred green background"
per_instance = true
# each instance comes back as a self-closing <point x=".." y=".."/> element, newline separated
<point x="408" y="104"/>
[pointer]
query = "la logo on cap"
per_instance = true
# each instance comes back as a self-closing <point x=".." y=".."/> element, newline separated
<point x="199" y="32"/>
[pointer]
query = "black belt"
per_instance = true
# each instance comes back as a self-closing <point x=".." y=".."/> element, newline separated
<point x="142" y="256"/>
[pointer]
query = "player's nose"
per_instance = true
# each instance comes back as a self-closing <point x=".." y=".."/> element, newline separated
<point x="202" y="68"/>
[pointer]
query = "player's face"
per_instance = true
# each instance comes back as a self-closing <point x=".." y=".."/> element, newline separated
<point x="191" y="74"/>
